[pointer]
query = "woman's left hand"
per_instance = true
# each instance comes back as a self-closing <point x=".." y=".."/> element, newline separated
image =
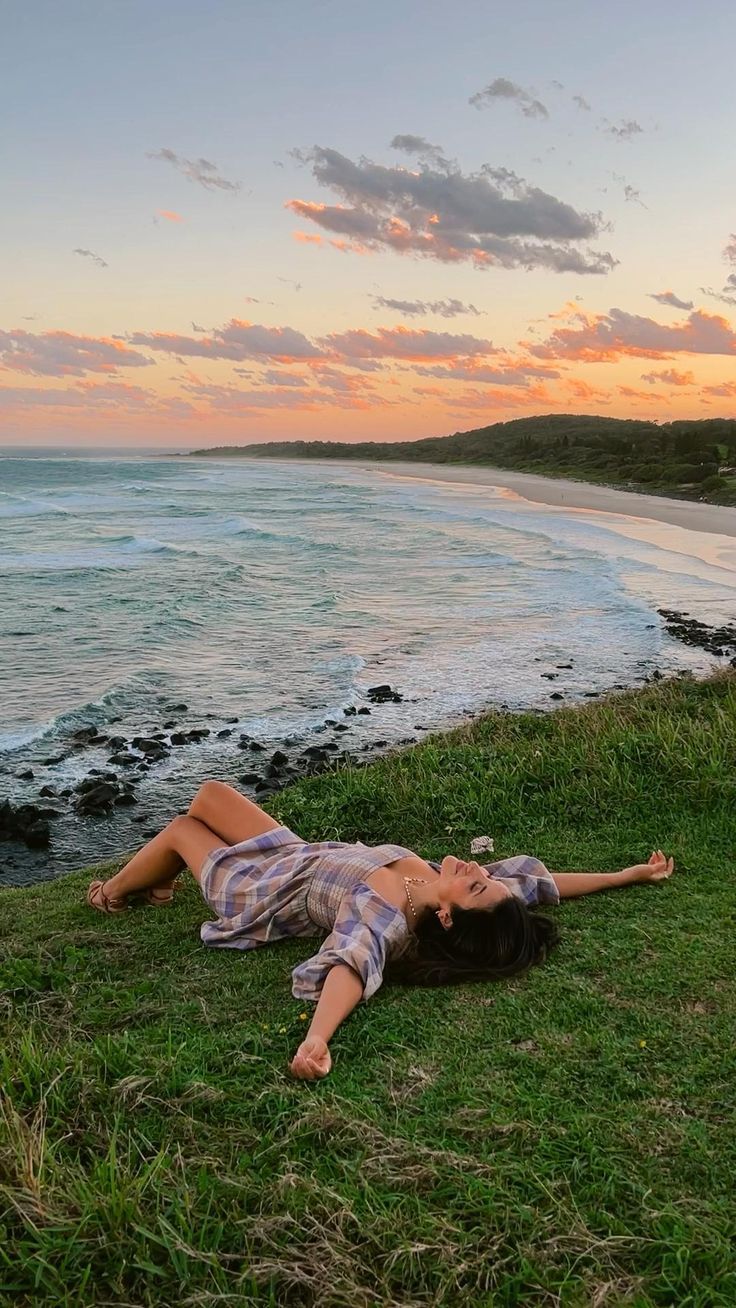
<point x="658" y="868"/>
<point x="312" y="1059"/>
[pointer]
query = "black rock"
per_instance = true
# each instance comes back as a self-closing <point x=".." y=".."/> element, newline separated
<point x="101" y="798"/>
<point x="178" y="708"/>
<point x="226" y="731"/>
<point x="250" y="778"/>
<point x="264" y="785"/>
<point x="591" y="694"/>
<point x="178" y="738"/>
<point x="364" y="710"/>
<point x="84" y="734"/>
<point x="550" y="676"/>
<point x="563" y="665"/>
<point x="25" y="775"/>
<point x="557" y="694"/>
<point x="314" y="751"/>
<point x="125" y="798"/>
<point x="330" y="722"/>
<point x="56" y="758"/>
<point x="341" y="726"/>
<point x="232" y="719"/>
<point x="47" y="792"/>
<point x="272" y="770"/>
<point x="279" y="757"/>
<point x="117" y="741"/>
<point x="350" y="712"/>
<point x="38" y="835"/>
<point x="256" y="747"/>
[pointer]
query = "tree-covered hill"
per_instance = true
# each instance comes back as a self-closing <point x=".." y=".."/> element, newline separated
<point x="690" y="459"/>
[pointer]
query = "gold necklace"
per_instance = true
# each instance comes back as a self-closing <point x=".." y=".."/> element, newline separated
<point x="420" y="881"/>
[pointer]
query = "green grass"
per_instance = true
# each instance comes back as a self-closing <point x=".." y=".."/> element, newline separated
<point x="563" y="1139"/>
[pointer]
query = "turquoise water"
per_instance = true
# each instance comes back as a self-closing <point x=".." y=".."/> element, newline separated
<point x="276" y="593"/>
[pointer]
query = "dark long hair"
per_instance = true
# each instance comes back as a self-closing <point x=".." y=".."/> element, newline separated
<point x="481" y="945"/>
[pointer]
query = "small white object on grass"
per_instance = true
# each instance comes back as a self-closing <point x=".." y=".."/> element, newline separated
<point x="480" y="843"/>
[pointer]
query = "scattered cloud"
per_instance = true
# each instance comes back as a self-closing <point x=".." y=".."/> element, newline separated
<point x="632" y="394"/>
<point x="404" y="343"/>
<point x="725" y="389"/>
<point x="507" y="373"/>
<point x="419" y="308"/>
<point x="233" y="400"/>
<point x="275" y="377"/>
<point x="170" y="216"/>
<point x="503" y="89"/>
<point x="92" y="395"/>
<point x="581" y="102"/>
<point x="603" y="338"/>
<point x="491" y="218"/>
<point x="671" y="376"/>
<point x="288" y="282"/>
<point x="61" y="354"/>
<point x="90" y="254"/>
<point x="237" y="341"/>
<point x="422" y="148"/>
<point x="718" y="295"/>
<point x="196" y="328"/>
<point x="197" y="170"/>
<point x="625" y="130"/>
<point x="729" y="250"/>
<point x="669" y="297"/>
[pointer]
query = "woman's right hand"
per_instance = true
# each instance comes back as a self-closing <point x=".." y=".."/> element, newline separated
<point x="312" y="1059"/>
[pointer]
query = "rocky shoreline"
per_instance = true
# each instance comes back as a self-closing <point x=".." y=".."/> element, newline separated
<point x="106" y="790"/>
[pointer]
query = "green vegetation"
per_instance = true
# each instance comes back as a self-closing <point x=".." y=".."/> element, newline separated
<point x="566" y="1138"/>
<point x="691" y="460"/>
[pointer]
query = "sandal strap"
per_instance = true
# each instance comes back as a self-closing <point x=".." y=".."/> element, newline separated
<point x="106" y="903"/>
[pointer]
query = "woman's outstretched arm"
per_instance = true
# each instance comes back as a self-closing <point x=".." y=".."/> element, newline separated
<point x="341" y="993"/>
<point x="571" y="884"/>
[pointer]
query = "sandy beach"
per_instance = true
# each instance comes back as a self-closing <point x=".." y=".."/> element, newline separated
<point x="558" y="493"/>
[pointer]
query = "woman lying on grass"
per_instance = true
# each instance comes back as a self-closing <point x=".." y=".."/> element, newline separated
<point x="383" y="907"/>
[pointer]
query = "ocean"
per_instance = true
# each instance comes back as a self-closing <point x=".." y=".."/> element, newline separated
<point x="270" y="595"/>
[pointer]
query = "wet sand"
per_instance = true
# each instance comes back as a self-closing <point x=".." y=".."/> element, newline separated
<point x="558" y="493"/>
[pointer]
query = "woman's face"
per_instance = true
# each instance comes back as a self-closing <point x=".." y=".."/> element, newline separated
<point x="470" y="886"/>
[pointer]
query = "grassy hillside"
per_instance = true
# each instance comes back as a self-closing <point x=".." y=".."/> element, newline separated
<point x="692" y="460"/>
<point x="566" y="1138"/>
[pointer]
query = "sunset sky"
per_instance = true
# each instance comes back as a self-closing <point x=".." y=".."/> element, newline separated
<point x="242" y="220"/>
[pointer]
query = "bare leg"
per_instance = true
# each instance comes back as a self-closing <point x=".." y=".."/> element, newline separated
<point x="185" y="842"/>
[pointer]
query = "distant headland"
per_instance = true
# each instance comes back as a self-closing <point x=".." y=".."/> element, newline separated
<point x="685" y="459"/>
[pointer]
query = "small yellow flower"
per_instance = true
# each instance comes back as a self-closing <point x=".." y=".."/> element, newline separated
<point x="642" y="1044"/>
<point x="302" y="1017"/>
<point x="281" y="1030"/>
<point x="264" y="1026"/>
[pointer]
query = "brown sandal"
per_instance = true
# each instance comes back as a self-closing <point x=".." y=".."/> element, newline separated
<point x="96" y="898"/>
<point x="158" y="896"/>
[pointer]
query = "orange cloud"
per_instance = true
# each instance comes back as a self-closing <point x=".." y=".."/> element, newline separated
<point x="580" y="390"/>
<point x="615" y="335"/>
<point x="170" y="216"/>
<point x="307" y="238"/>
<point x="671" y="376"/>
<point x="649" y="396"/>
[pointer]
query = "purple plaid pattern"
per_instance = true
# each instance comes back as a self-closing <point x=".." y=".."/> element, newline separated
<point x="527" y="877"/>
<point x="367" y="931"/>
<point x="276" y="886"/>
